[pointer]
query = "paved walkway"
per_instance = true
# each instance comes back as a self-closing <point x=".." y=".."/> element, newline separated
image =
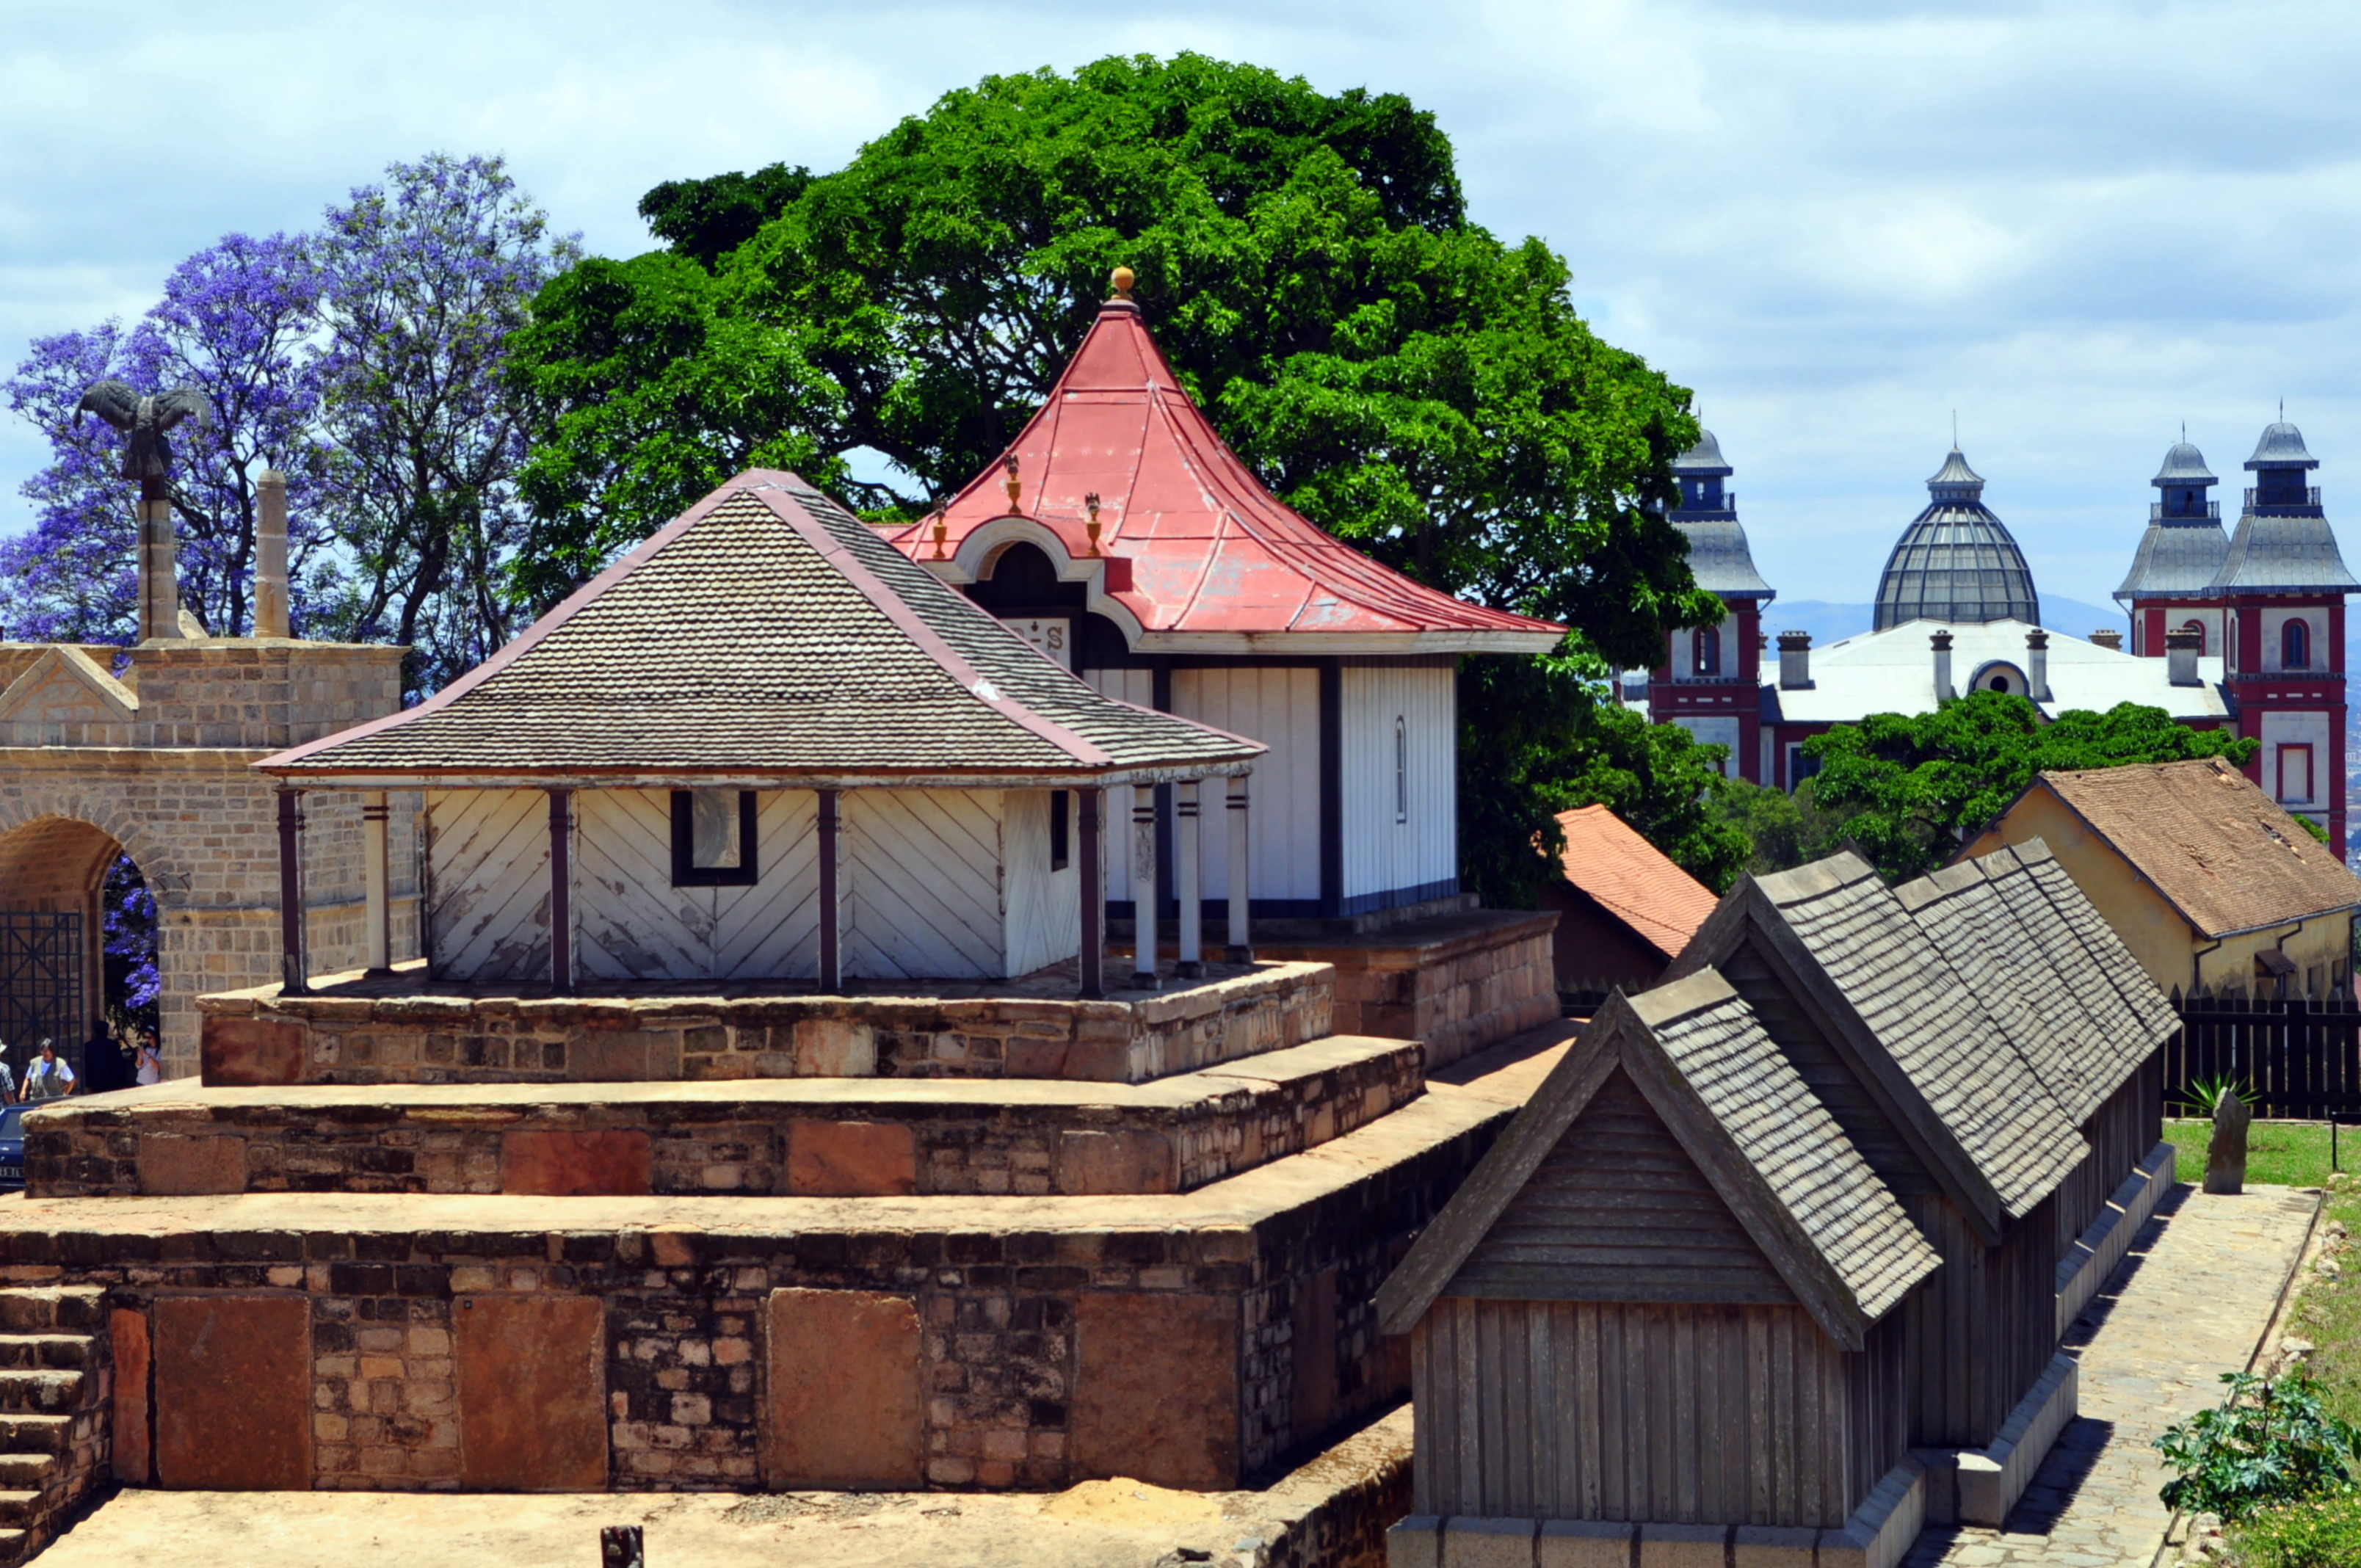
<point x="2189" y="1304"/>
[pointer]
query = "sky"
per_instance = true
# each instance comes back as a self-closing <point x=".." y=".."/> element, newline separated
<point x="1842" y="223"/>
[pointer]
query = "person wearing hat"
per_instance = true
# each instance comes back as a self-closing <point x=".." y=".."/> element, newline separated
<point x="49" y="1077"/>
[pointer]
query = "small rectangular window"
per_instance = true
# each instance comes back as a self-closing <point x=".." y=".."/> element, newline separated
<point x="2295" y="775"/>
<point x="1402" y="771"/>
<point x="1059" y="832"/>
<point x="712" y="837"/>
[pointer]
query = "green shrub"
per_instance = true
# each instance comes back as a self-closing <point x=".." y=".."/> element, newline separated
<point x="2323" y="1533"/>
<point x="2268" y="1442"/>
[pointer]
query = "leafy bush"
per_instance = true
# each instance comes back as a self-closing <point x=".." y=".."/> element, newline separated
<point x="2268" y="1442"/>
<point x="2206" y="1094"/>
<point x="2323" y="1533"/>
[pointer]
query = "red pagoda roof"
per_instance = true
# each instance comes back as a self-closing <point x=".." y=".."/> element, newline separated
<point x="1197" y="555"/>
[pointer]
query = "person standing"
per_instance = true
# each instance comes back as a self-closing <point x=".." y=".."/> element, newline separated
<point x="101" y="1063"/>
<point x="150" y="1065"/>
<point x="49" y="1077"/>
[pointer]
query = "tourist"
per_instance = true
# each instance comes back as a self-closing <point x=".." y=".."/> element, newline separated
<point x="151" y="1066"/>
<point x="7" y="1077"/>
<point x="49" y="1077"/>
<point x="102" y="1068"/>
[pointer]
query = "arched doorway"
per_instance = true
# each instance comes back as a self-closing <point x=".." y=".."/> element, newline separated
<point x="78" y="940"/>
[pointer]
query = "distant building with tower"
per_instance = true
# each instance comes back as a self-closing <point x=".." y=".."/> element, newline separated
<point x="2244" y="631"/>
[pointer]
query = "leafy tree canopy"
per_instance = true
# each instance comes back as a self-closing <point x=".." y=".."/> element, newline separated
<point x="1916" y="786"/>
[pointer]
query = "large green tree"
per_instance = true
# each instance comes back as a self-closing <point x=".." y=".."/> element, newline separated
<point x="1399" y="375"/>
<point x="1913" y="787"/>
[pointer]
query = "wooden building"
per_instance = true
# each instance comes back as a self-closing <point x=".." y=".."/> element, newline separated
<point x="1666" y="1304"/>
<point x="765" y="747"/>
<point x="1625" y="911"/>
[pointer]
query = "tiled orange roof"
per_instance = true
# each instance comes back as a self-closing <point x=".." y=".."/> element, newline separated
<point x="1631" y="879"/>
<point x="2218" y="849"/>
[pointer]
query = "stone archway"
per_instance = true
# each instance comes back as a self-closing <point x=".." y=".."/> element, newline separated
<point x="53" y="870"/>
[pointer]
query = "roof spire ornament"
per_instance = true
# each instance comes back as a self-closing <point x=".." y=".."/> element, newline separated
<point x="1121" y="280"/>
<point x="942" y="526"/>
<point x="1015" y="484"/>
<point x="1091" y="504"/>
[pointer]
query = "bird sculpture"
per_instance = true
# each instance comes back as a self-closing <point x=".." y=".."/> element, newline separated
<point x="144" y="420"/>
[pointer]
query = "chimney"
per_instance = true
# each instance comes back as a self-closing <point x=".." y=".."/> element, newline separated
<point x="160" y="578"/>
<point x="2181" y="657"/>
<point x="2109" y="638"/>
<point x="271" y="555"/>
<point x="2036" y="663"/>
<point x="1942" y="642"/>
<point x="1795" y="660"/>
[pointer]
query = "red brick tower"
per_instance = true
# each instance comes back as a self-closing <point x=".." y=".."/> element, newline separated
<point x="1709" y="682"/>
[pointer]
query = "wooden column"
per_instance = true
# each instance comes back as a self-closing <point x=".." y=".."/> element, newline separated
<point x="1185" y="879"/>
<point x="561" y="899"/>
<point x="831" y="917"/>
<point x="1241" y="945"/>
<point x="292" y="978"/>
<point x="378" y="901"/>
<point x="1089" y="827"/>
<point x="1143" y="886"/>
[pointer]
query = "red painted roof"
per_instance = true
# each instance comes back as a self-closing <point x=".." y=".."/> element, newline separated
<point x="1206" y="548"/>
<point x="1633" y="879"/>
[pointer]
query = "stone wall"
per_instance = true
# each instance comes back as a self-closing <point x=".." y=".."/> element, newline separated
<point x="1457" y="984"/>
<point x="258" y="1036"/>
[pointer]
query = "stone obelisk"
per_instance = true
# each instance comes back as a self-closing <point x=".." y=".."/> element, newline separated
<point x="271" y="555"/>
<point x="159" y="574"/>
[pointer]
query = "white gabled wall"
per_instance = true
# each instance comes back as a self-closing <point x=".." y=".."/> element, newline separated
<point x="1399" y="777"/>
<point x="1279" y="706"/>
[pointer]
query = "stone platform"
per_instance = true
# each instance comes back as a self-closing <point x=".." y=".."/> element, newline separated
<point x="1458" y="982"/>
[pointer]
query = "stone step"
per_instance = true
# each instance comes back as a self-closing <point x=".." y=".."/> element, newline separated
<point x="36" y="1434"/>
<point x="794" y="1137"/>
<point x="32" y="1310"/>
<point x="27" y="1393"/>
<point x="36" y="1471"/>
<point x="21" y="1507"/>
<point x="13" y="1545"/>
<point x="18" y="1351"/>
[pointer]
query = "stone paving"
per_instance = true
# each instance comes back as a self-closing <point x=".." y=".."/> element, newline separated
<point x="2191" y="1301"/>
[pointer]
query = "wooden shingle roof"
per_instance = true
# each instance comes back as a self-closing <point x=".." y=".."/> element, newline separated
<point x="769" y="636"/>
<point x="1774" y="1157"/>
<point x="2218" y="849"/>
<point x="1631" y="879"/>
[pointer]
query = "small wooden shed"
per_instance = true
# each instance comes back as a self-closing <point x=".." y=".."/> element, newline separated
<point x="1667" y="1301"/>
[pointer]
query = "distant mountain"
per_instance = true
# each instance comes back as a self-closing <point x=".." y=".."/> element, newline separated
<point x="1831" y="622"/>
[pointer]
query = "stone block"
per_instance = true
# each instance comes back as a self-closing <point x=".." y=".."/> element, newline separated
<point x="232" y="1393"/>
<point x="835" y="1048"/>
<point x="245" y="1053"/>
<point x="533" y="1394"/>
<point x="127" y="1332"/>
<point x="1583" y="1544"/>
<point x="1156" y="1391"/>
<point x="174" y="1167"/>
<point x="562" y="1164"/>
<point x="851" y="1159"/>
<point x="1771" y="1546"/>
<point x="1488" y="1543"/>
<point x="1315" y="1339"/>
<point x="1133" y="1161"/>
<point x="1683" y="1545"/>
<point x="1416" y="1542"/>
<point x="845" y="1401"/>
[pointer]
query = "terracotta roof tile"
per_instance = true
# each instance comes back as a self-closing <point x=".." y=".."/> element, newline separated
<point x="1631" y="879"/>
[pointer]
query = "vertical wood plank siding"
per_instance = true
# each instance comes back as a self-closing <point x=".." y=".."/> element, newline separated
<point x="1381" y="853"/>
<point x="1619" y="1211"/>
<point x="1983" y="1327"/>
<point x="1650" y="1412"/>
<point x="487" y="860"/>
<point x="2120" y="1132"/>
<point x="922" y="884"/>
<point x="1132" y="685"/>
<point x="1280" y="707"/>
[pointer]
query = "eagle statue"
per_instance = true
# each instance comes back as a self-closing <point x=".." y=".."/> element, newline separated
<point x="144" y="420"/>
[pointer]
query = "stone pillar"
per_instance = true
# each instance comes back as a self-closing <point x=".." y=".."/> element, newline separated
<point x="375" y="889"/>
<point x="831" y="917"/>
<point x="1143" y="886"/>
<point x="1184" y="880"/>
<point x="293" y="980"/>
<point x="561" y="891"/>
<point x="1090" y="827"/>
<point x="270" y="617"/>
<point x="1940" y="642"/>
<point x="160" y="578"/>
<point x="1240" y="946"/>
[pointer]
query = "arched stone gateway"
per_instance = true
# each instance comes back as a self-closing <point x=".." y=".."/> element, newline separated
<point x="153" y="758"/>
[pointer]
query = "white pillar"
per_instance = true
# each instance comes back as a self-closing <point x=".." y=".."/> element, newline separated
<point x="1184" y="877"/>
<point x="1143" y="885"/>
<point x="376" y="893"/>
<point x="1241" y="948"/>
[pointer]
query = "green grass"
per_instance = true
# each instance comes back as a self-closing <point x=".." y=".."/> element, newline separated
<point x="2324" y="1533"/>
<point x="2278" y="1153"/>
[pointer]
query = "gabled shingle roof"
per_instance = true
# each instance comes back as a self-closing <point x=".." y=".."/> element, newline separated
<point x="769" y="632"/>
<point x="1631" y="879"/>
<point x="2217" y="849"/>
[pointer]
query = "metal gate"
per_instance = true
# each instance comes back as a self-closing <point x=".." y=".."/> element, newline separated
<point x="40" y="984"/>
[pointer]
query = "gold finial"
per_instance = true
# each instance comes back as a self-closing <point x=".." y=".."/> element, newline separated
<point x="1016" y="485"/>
<point x="1122" y="283"/>
<point x="942" y="526"/>
<point x="1091" y="503"/>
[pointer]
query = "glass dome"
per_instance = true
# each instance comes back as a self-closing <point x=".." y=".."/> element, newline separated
<point x="1956" y="561"/>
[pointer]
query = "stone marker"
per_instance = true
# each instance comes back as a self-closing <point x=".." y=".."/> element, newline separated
<point x="2225" y="1161"/>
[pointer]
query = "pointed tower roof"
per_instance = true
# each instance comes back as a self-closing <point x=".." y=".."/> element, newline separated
<point x="1719" y="557"/>
<point x="2183" y="549"/>
<point x="2281" y="446"/>
<point x="1957" y="561"/>
<point x="1197" y="555"/>
<point x="1704" y="459"/>
<point x="2285" y="545"/>
<point x="2184" y="465"/>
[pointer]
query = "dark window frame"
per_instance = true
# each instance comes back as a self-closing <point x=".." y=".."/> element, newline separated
<point x="685" y="874"/>
<point x="1061" y="836"/>
<point x="2295" y="643"/>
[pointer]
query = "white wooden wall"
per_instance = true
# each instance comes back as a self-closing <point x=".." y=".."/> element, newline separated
<point x="923" y="898"/>
<point x="631" y="923"/>
<point x="1126" y="685"/>
<point x="1386" y="848"/>
<point x="1043" y="906"/>
<point x="487" y="856"/>
<point x="1281" y="707"/>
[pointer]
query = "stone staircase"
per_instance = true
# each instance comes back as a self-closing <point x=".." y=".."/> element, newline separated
<point x="54" y="1397"/>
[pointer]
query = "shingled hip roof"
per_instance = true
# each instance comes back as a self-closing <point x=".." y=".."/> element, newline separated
<point x="1631" y="879"/>
<point x="769" y="638"/>
<point x="1209" y="558"/>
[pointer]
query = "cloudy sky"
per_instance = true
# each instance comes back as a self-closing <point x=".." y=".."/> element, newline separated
<point x="2076" y="224"/>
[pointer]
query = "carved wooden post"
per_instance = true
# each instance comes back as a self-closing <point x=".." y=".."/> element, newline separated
<point x="1093" y="892"/>
<point x="832" y="919"/>
<point x="561" y="900"/>
<point x="2226" y="1159"/>
<point x="1241" y="945"/>
<point x="376" y="900"/>
<point x="1143" y="886"/>
<point x="1184" y="869"/>
<point x="292" y="978"/>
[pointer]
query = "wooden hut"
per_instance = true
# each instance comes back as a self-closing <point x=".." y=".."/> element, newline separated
<point x="1625" y="910"/>
<point x="765" y="746"/>
<point x="1665" y="1307"/>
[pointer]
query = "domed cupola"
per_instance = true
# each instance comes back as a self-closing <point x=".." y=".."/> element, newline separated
<point x="2184" y="546"/>
<point x="2283" y="543"/>
<point x="1956" y="561"/>
<point x="1718" y="557"/>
